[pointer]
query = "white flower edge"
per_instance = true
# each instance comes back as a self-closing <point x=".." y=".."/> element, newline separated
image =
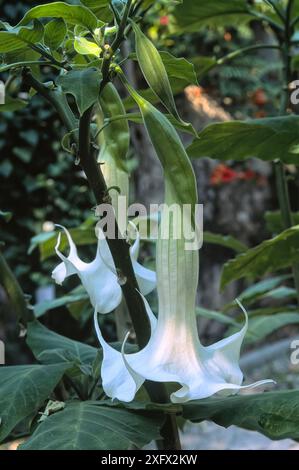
<point x="99" y="277"/>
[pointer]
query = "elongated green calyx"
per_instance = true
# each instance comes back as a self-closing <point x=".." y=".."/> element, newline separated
<point x="154" y="70"/>
<point x="180" y="180"/>
<point x="114" y="141"/>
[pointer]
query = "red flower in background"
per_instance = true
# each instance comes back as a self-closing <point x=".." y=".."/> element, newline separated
<point x="223" y="174"/>
<point x="259" y="97"/>
<point x="164" y="20"/>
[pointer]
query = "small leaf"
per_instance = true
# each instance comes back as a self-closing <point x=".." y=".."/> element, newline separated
<point x="55" y="32"/>
<point x="84" y="85"/>
<point x="85" y="47"/>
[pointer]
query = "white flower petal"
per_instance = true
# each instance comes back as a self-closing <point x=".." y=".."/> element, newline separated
<point x="146" y="278"/>
<point x="119" y="379"/>
<point x="68" y="266"/>
<point x="98" y="277"/>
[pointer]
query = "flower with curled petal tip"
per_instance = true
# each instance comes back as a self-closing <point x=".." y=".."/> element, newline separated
<point x="99" y="276"/>
<point x="174" y="352"/>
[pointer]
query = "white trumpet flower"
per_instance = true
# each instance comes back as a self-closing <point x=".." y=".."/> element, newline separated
<point x="174" y="352"/>
<point x="99" y="277"/>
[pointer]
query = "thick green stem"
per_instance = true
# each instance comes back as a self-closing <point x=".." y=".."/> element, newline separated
<point x="14" y="292"/>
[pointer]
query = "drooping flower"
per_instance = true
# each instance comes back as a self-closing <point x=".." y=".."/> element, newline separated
<point x="99" y="277"/>
<point x="174" y="352"/>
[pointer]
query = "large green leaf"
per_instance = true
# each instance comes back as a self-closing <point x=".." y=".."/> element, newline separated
<point x="88" y="426"/>
<point x="272" y="255"/>
<point x="73" y="14"/>
<point x="23" y="391"/>
<point x="19" y="37"/>
<point x="84" y="85"/>
<point x="192" y="15"/>
<point x="275" y="414"/>
<point x="267" y="139"/>
<point x="50" y="347"/>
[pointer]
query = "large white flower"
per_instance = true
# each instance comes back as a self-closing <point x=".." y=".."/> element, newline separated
<point x="174" y="352"/>
<point x="99" y="277"/>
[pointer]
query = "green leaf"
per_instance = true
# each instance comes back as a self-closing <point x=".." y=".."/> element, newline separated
<point x="100" y="8"/>
<point x="224" y="240"/>
<point x="72" y="14"/>
<point x="274" y="222"/>
<point x="202" y="65"/>
<point x="84" y="85"/>
<point x="19" y="37"/>
<point x="24" y="390"/>
<point x="274" y="414"/>
<point x="7" y="216"/>
<point x="272" y="255"/>
<point x="154" y="71"/>
<point x="55" y="32"/>
<point x="267" y="288"/>
<point x="43" y="307"/>
<point x="192" y="15"/>
<point x="47" y="345"/>
<point x="85" y="47"/>
<point x="180" y="71"/>
<point x="87" y="426"/>
<point x="12" y="104"/>
<point x="261" y="326"/>
<point x="267" y="139"/>
<point x="218" y="316"/>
